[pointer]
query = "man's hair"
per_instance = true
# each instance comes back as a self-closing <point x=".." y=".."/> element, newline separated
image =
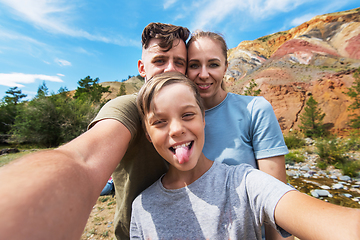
<point x="152" y="87"/>
<point x="167" y="33"/>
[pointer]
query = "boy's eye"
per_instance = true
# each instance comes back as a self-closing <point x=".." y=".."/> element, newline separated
<point x="158" y="123"/>
<point x="188" y="116"/>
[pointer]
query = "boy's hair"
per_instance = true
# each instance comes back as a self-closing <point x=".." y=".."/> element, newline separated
<point x="167" y="33"/>
<point x="151" y="88"/>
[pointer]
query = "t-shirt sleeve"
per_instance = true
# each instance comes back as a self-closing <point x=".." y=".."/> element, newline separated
<point x="124" y="110"/>
<point x="268" y="140"/>
<point x="135" y="232"/>
<point x="264" y="192"/>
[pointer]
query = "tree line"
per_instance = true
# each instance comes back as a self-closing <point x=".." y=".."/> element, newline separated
<point x="50" y="119"/>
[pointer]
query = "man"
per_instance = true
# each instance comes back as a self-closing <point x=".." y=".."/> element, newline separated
<point x="56" y="189"/>
<point x="163" y="50"/>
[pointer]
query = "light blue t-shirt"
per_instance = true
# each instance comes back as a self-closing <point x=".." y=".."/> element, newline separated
<point x="242" y="129"/>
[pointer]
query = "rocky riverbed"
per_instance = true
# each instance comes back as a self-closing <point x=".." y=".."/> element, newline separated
<point x="329" y="185"/>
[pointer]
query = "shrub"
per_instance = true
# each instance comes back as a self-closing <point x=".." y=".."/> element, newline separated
<point x="353" y="143"/>
<point x="294" y="157"/>
<point x="331" y="152"/>
<point x="350" y="168"/>
<point x="293" y="141"/>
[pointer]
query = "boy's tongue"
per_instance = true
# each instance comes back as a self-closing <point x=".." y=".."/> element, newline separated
<point x="182" y="154"/>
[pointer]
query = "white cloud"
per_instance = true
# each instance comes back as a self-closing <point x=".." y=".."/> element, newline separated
<point x="169" y="3"/>
<point x="56" y="17"/>
<point x="300" y="20"/>
<point x="61" y="75"/>
<point x="62" y="62"/>
<point x="6" y="34"/>
<point x="212" y="12"/>
<point x="18" y="79"/>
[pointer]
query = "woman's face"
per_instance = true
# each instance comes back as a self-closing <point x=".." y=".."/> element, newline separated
<point x="206" y="67"/>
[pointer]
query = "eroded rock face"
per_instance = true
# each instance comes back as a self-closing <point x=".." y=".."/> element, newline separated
<point x="317" y="58"/>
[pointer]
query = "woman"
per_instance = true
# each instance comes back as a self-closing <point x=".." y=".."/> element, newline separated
<point x="238" y="127"/>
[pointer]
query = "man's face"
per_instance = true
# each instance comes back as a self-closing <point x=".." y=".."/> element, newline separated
<point x="155" y="60"/>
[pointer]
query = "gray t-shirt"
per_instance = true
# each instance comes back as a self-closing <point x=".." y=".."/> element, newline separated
<point x="227" y="202"/>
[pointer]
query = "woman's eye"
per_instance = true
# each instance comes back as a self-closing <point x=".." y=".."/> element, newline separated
<point x="193" y="66"/>
<point x="214" y="65"/>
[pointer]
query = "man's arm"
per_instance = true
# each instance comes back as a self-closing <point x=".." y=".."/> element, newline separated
<point x="50" y="194"/>
<point x="310" y="218"/>
<point x="274" y="166"/>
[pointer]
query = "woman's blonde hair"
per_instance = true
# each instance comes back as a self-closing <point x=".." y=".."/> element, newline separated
<point x="211" y="35"/>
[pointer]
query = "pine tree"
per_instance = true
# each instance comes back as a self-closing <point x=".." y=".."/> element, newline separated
<point x="90" y="89"/>
<point x="311" y="120"/>
<point x="250" y="91"/>
<point x="122" y="89"/>
<point x="354" y="92"/>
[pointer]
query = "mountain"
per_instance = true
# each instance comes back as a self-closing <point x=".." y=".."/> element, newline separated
<point x="317" y="58"/>
<point x="132" y="85"/>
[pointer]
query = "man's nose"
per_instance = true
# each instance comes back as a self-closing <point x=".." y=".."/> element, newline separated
<point x="170" y="67"/>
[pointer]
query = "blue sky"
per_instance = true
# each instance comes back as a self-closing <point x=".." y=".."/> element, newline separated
<point x="63" y="41"/>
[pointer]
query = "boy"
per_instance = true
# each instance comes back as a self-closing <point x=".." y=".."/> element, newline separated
<point x="201" y="199"/>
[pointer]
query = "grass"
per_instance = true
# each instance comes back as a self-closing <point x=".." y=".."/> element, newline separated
<point x="24" y="150"/>
<point x="7" y="158"/>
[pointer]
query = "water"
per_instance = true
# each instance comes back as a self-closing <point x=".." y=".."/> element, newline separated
<point x="305" y="185"/>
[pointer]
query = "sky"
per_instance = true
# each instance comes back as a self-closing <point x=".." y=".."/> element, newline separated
<point x="59" y="42"/>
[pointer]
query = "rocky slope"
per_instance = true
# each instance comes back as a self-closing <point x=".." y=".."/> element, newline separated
<point x="317" y="58"/>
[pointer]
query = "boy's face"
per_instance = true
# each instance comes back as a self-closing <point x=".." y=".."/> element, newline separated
<point x="155" y="60"/>
<point x="175" y="125"/>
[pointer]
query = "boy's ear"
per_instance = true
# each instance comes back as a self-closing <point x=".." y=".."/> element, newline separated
<point x="141" y="68"/>
<point x="148" y="136"/>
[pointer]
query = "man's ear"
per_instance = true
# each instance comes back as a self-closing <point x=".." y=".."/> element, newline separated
<point x="141" y="68"/>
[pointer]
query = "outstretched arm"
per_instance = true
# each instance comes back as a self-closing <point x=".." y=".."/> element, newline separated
<point x="310" y="218"/>
<point x="50" y="194"/>
<point x="275" y="166"/>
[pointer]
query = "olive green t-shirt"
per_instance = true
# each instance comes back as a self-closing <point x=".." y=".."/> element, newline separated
<point x="139" y="168"/>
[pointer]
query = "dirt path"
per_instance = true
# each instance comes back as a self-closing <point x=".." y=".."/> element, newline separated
<point x="100" y="224"/>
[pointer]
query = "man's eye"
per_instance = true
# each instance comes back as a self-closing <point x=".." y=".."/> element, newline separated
<point x="159" y="61"/>
<point x="180" y="63"/>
